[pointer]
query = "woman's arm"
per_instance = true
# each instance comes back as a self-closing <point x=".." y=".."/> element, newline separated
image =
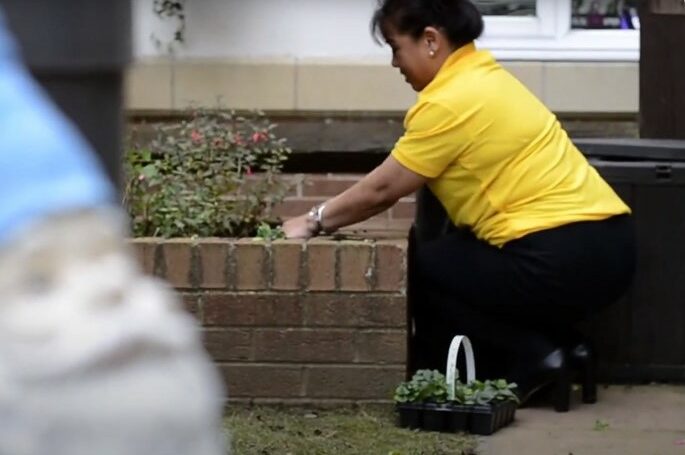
<point x="376" y="192"/>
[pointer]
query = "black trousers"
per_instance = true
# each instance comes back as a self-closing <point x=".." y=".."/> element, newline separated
<point x="519" y="302"/>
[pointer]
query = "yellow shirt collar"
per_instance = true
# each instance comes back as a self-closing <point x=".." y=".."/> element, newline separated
<point x="451" y="63"/>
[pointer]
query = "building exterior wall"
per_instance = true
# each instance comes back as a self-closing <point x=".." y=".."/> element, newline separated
<point x="305" y="85"/>
<point x="313" y="55"/>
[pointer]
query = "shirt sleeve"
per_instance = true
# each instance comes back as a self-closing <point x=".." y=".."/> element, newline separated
<point x="432" y="140"/>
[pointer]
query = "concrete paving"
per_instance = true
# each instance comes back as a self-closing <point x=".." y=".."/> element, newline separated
<point x="627" y="420"/>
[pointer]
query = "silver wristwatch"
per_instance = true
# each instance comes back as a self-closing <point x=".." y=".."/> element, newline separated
<point x="316" y="215"/>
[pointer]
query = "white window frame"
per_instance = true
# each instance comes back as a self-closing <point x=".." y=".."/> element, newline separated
<point x="549" y="36"/>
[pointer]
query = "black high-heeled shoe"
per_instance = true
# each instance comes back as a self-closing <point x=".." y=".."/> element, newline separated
<point x="551" y="372"/>
<point x="583" y="360"/>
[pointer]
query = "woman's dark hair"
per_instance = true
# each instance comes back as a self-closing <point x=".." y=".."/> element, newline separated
<point x="460" y="20"/>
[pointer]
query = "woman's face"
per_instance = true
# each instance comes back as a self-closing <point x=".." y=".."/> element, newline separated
<point x="415" y="58"/>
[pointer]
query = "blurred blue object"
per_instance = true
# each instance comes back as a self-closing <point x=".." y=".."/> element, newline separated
<point x="46" y="167"/>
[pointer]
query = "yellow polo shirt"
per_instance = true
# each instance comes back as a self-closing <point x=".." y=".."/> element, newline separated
<point x="498" y="160"/>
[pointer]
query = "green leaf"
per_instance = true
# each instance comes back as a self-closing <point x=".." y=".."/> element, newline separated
<point x="426" y="385"/>
<point x="150" y="171"/>
<point x="601" y="425"/>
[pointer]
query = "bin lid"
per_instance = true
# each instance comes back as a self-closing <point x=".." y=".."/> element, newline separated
<point x="630" y="149"/>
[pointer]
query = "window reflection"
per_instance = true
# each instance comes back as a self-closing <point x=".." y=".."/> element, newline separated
<point x="605" y="14"/>
<point x="506" y="8"/>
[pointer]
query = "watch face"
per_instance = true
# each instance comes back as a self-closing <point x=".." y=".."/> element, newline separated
<point x="316" y="212"/>
<point x="313" y="215"/>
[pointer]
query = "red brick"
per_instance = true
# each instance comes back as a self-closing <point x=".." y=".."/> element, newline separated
<point x="294" y="182"/>
<point x="274" y="310"/>
<point x="178" y="262"/>
<point x="321" y="265"/>
<point x="144" y="250"/>
<point x="287" y="264"/>
<point x="302" y="345"/>
<point x="382" y="347"/>
<point x="228" y="344"/>
<point x="403" y="209"/>
<point x="291" y="183"/>
<point x="291" y="207"/>
<point x="391" y="259"/>
<point x="399" y="227"/>
<point x="263" y="381"/>
<point x="375" y="228"/>
<point x="250" y="264"/>
<point x="380" y="221"/>
<point x="354" y="381"/>
<point x="355" y="266"/>
<point x="214" y="255"/>
<point x="191" y="303"/>
<point x="354" y="310"/>
<point x="326" y="185"/>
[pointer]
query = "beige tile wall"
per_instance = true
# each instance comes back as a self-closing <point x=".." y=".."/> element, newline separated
<point x="149" y="86"/>
<point x="350" y="86"/>
<point x="239" y="84"/>
<point x="324" y="85"/>
<point x="581" y="87"/>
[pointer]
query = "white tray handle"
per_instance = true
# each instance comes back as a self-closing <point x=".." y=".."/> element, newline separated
<point x="457" y="342"/>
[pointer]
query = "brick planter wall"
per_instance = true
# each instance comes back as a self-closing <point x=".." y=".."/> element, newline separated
<point x="319" y="322"/>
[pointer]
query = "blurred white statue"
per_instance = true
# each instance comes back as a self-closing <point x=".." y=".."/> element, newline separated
<point x="95" y="357"/>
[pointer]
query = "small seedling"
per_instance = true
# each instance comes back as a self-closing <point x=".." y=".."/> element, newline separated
<point x="266" y="232"/>
<point x="601" y="425"/>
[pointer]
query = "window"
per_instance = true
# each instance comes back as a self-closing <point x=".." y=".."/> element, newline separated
<point x="561" y="29"/>
<point x="505" y="8"/>
<point x="605" y="14"/>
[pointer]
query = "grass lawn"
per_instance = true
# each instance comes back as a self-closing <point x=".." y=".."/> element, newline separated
<point x="291" y="431"/>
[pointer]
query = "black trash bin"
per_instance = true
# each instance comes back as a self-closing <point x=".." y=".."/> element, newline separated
<point x="78" y="51"/>
<point x="641" y="338"/>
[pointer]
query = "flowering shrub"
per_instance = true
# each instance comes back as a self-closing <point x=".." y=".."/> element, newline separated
<point x="215" y="174"/>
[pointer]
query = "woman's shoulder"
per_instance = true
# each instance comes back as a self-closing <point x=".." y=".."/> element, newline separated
<point x="453" y="98"/>
<point x="432" y="110"/>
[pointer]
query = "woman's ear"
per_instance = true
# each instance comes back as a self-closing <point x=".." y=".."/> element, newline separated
<point x="433" y="39"/>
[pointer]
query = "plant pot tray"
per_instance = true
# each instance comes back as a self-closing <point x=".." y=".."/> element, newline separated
<point x="474" y="419"/>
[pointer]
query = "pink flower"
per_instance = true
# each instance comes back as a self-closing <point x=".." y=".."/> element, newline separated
<point x="196" y="136"/>
<point x="259" y="136"/>
<point x="239" y="139"/>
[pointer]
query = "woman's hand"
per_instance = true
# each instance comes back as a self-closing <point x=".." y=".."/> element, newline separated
<point x="376" y="192"/>
<point x="298" y="228"/>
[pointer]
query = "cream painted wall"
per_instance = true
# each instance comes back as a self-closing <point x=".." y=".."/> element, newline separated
<point x="266" y="29"/>
<point x="318" y="55"/>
